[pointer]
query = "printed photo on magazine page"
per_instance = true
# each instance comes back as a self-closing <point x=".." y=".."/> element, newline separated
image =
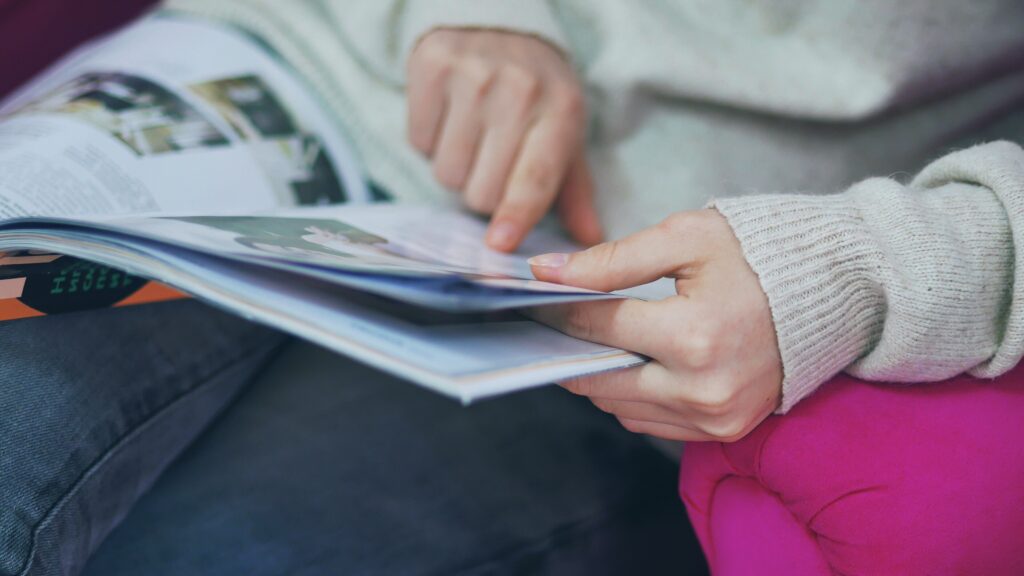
<point x="164" y="115"/>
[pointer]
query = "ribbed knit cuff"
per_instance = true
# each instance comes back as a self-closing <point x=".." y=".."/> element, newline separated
<point x="814" y="257"/>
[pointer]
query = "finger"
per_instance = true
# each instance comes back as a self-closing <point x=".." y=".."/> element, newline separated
<point x="646" y="383"/>
<point x="492" y="167"/>
<point x="457" y="146"/>
<point x="576" y="204"/>
<point x="637" y="259"/>
<point x="536" y="177"/>
<point x="654" y="393"/>
<point x="507" y="118"/>
<point x="629" y="324"/>
<point x="645" y="411"/>
<point x="427" y="96"/>
<point x="666" y="431"/>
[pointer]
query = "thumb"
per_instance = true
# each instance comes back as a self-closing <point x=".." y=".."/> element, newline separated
<point x="576" y="204"/>
<point x="643" y="257"/>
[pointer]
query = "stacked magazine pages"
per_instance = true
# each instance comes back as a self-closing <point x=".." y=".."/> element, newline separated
<point x="132" y="173"/>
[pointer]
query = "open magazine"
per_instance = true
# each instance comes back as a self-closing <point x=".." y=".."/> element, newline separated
<point x="178" y="157"/>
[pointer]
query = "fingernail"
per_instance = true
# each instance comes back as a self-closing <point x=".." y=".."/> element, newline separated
<point x="549" y="260"/>
<point x="502" y="235"/>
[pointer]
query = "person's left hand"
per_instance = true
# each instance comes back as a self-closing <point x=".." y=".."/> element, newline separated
<point x="715" y="371"/>
<point x="503" y="117"/>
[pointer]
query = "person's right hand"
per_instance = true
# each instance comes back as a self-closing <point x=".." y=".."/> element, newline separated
<point x="503" y="118"/>
<point x="716" y="370"/>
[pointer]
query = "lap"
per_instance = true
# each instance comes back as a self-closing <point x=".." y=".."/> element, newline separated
<point x="93" y="406"/>
<point x="328" y="467"/>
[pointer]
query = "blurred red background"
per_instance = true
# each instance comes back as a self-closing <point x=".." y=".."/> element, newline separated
<point x="34" y="33"/>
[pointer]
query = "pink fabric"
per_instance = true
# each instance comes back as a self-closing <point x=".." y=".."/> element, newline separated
<point x="867" y="478"/>
<point x="34" y="33"/>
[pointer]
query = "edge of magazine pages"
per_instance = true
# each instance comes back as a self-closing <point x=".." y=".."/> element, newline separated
<point x="183" y="152"/>
<point x="251" y="304"/>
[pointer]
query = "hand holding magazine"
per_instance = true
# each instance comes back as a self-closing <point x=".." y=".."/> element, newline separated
<point x="214" y="173"/>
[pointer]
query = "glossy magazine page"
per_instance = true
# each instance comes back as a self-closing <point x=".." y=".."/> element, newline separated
<point x="164" y="115"/>
<point x="483" y="349"/>
<point x="177" y="157"/>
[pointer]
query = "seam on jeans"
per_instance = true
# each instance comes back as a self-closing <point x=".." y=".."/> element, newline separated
<point x="533" y="547"/>
<point x="566" y="532"/>
<point x="131" y="434"/>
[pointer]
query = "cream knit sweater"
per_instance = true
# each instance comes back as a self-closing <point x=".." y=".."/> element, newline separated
<point x="889" y="280"/>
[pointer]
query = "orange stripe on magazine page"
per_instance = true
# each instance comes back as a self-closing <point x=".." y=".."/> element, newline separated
<point x="12" y="309"/>
<point x="152" y="292"/>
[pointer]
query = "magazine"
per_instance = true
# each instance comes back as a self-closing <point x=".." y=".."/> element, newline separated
<point x="178" y="159"/>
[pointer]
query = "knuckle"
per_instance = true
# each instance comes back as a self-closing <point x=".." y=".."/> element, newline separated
<point x="521" y="212"/>
<point x="727" y="429"/>
<point x="698" y="350"/>
<point x="678" y="400"/>
<point x="435" y="51"/>
<point x="525" y="84"/>
<point x="448" y="175"/>
<point x="479" y="76"/>
<point x="537" y="175"/>
<point x="579" y="323"/>
<point x="716" y="400"/>
<point x="676" y="225"/>
<point x="677" y="344"/>
<point x="601" y="405"/>
<point x="480" y="202"/>
<point x="567" y="100"/>
<point x="608" y="254"/>
<point x="601" y="257"/>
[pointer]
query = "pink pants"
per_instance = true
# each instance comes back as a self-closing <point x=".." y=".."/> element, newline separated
<point x="869" y="479"/>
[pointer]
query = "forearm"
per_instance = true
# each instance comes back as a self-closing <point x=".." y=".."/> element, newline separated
<point x="894" y="282"/>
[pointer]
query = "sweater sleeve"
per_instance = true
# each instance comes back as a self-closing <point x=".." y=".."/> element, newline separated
<point x="381" y="34"/>
<point x="894" y="282"/>
<point x="533" y="17"/>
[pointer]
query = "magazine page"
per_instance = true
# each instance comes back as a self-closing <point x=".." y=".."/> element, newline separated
<point x="424" y="255"/>
<point x="466" y="356"/>
<point x="170" y="115"/>
<point x="167" y="114"/>
<point x="397" y="239"/>
<point x="404" y="240"/>
<point x="38" y="283"/>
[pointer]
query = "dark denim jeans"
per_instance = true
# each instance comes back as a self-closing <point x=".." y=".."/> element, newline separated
<point x="323" y="466"/>
<point x="93" y="406"/>
<point x="326" y="467"/>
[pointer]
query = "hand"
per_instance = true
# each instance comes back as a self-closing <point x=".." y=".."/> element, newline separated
<point x="715" y="371"/>
<point x="502" y="115"/>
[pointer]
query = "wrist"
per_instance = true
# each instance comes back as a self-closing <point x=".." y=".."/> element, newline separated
<point x="813" y="259"/>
